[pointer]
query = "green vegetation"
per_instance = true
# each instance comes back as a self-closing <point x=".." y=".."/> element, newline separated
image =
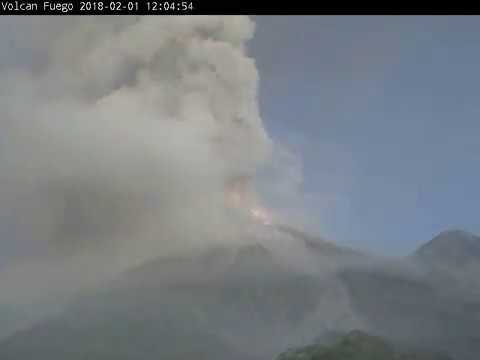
<point x="357" y="345"/>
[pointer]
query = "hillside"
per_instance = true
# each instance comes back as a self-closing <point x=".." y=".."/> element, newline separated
<point x="451" y="248"/>
<point x="249" y="301"/>
<point x="453" y="258"/>
<point x="357" y="345"/>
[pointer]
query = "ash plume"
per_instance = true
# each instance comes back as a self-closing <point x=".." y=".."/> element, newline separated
<point x="120" y="135"/>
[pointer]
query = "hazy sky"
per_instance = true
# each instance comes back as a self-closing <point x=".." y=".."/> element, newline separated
<point x="384" y="113"/>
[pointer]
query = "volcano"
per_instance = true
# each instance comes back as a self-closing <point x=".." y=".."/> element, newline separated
<point x="280" y="289"/>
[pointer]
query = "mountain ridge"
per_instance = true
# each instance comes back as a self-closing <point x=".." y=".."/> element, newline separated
<point x="245" y="299"/>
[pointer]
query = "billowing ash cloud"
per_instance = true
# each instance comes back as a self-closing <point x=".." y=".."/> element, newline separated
<point x="119" y="125"/>
<point x="120" y="134"/>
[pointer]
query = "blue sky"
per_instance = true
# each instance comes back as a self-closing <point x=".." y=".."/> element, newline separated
<point x="384" y="113"/>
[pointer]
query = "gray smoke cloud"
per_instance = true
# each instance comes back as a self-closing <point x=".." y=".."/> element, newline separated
<point x="118" y="136"/>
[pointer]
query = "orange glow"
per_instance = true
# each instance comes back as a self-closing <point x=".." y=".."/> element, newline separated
<point x="261" y="215"/>
<point x="239" y="196"/>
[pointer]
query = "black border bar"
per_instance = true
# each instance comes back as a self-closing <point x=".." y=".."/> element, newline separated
<point x="197" y="7"/>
